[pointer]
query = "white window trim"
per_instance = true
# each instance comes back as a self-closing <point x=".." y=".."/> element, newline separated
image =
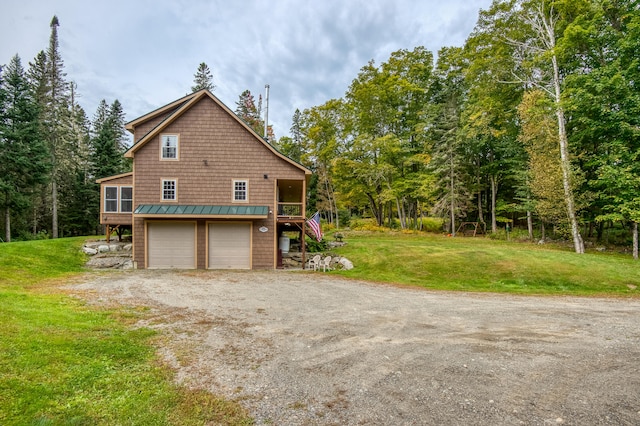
<point x="117" y="199"/>
<point x="246" y="191"/>
<point x="177" y="157"/>
<point x="123" y="199"/>
<point x="175" y="191"/>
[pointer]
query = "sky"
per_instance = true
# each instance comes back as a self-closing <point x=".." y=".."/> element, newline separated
<point x="145" y="52"/>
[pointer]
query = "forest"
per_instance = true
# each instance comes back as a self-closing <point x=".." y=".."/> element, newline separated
<point x="531" y="125"/>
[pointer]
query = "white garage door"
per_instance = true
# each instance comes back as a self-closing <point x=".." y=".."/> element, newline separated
<point x="171" y="245"/>
<point x="230" y="246"/>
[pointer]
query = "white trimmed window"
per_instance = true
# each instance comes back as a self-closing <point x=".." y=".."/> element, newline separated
<point x="169" y="190"/>
<point x="240" y="190"/>
<point x="126" y="199"/>
<point x="169" y="147"/>
<point x="111" y="199"/>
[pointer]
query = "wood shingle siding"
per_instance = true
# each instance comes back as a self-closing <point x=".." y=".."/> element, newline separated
<point x="214" y="149"/>
<point x="115" y="218"/>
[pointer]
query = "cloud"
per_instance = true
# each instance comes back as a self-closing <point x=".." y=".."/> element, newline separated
<point x="145" y="52"/>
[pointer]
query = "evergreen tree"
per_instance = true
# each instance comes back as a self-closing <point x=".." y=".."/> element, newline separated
<point x="37" y="77"/>
<point x="79" y="211"/>
<point x="55" y="117"/>
<point x="203" y="79"/>
<point x="23" y="154"/>
<point x="117" y="120"/>
<point x="292" y="146"/>
<point x="249" y="112"/>
<point x="449" y="162"/>
<point x="107" y="141"/>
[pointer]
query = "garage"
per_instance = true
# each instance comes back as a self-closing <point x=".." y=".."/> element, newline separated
<point x="171" y="245"/>
<point x="230" y="245"/>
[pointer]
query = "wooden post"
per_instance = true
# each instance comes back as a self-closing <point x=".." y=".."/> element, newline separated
<point x="303" y="244"/>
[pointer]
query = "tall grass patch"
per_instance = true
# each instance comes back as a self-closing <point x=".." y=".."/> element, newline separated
<point x="482" y="264"/>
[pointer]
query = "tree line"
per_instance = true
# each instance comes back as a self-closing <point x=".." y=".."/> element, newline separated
<point x="51" y="153"/>
<point x="534" y="122"/>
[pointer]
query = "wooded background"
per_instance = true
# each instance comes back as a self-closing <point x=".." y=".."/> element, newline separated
<point x="532" y="124"/>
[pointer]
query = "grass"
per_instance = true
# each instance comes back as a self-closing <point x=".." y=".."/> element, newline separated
<point x="63" y="363"/>
<point x="484" y="265"/>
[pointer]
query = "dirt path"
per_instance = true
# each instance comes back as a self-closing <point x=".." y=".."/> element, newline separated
<point x="308" y="348"/>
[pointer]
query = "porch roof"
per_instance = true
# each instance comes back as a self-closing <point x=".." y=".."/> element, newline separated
<point x="207" y="211"/>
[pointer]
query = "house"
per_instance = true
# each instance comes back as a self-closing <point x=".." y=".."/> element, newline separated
<point x="206" y="191"/>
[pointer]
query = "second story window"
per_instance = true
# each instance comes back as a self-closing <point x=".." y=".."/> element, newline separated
<point x="169" y="190"/>
<point x="126" y="199"/>
<point x="169" y="147"/>
<point x="111" y="199"/>
<point x="240" y="190"/>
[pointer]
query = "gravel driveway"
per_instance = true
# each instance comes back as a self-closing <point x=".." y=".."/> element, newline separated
<point x="304" y="348"/>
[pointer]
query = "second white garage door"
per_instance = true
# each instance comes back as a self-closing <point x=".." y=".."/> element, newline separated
<point x="230" y="245"/>
<point x="171" y="245"/>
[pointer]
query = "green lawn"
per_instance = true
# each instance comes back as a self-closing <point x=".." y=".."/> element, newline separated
<point x="63" y="363"/>
<point x="482" y="264"/>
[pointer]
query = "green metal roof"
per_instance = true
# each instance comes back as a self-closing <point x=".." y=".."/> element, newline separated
<point x="181" y="209"/>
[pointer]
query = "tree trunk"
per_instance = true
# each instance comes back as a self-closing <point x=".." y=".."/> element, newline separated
<point x="54" y="209"/>
<point x="480" y="212"/>
<point x="376" y="210"/>
<point x="7" y="224"/>
<point x="578" y="243"/>
<point x="530" y="224"/>
<point x="494" y="191"/>
<point x="565" y="162"/>
<point x="452" y="207"/>
<point x="401" y="214"/>
<point x="635" y="240"/>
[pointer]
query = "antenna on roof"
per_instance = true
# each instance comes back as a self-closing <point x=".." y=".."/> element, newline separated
<point x="266" y="110"/>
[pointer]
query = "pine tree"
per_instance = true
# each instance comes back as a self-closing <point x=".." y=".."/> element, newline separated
<point x="55" y="118"/>
<point x="247" y="110"/>
<point x="292" y="146"/>
<point x="79" y="212"/>
<point x="449" y="161"/>
<point x="23" y="154"/>
<point x="203" y="79"/>
<point x="117" y="120"/>
<point x="37" y="77"/>
<point x="107" y="142"/>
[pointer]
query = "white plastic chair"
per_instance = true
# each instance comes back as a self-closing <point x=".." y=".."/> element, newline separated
<point x="314" y="262"/>
<point x="326" y="263"/>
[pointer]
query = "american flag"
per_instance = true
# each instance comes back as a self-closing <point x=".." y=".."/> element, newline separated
<point x="314" y="224"/>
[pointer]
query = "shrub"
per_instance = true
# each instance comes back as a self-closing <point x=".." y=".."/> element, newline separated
<point x="432" y="224"/>
<point x="345" y="218"/>
<point x="366" y="225"/>
<point x="314" y="246"/>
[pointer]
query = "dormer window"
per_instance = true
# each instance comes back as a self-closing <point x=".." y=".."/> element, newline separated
<point x="169" y="150"/>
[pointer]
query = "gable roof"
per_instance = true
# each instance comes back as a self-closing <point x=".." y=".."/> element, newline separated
<point x="178" y="107"/>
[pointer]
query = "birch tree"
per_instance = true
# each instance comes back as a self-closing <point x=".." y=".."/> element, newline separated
<point x="539" y="55"/>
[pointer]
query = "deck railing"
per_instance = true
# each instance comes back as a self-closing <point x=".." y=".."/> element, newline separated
<point x="290" y="209"/>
